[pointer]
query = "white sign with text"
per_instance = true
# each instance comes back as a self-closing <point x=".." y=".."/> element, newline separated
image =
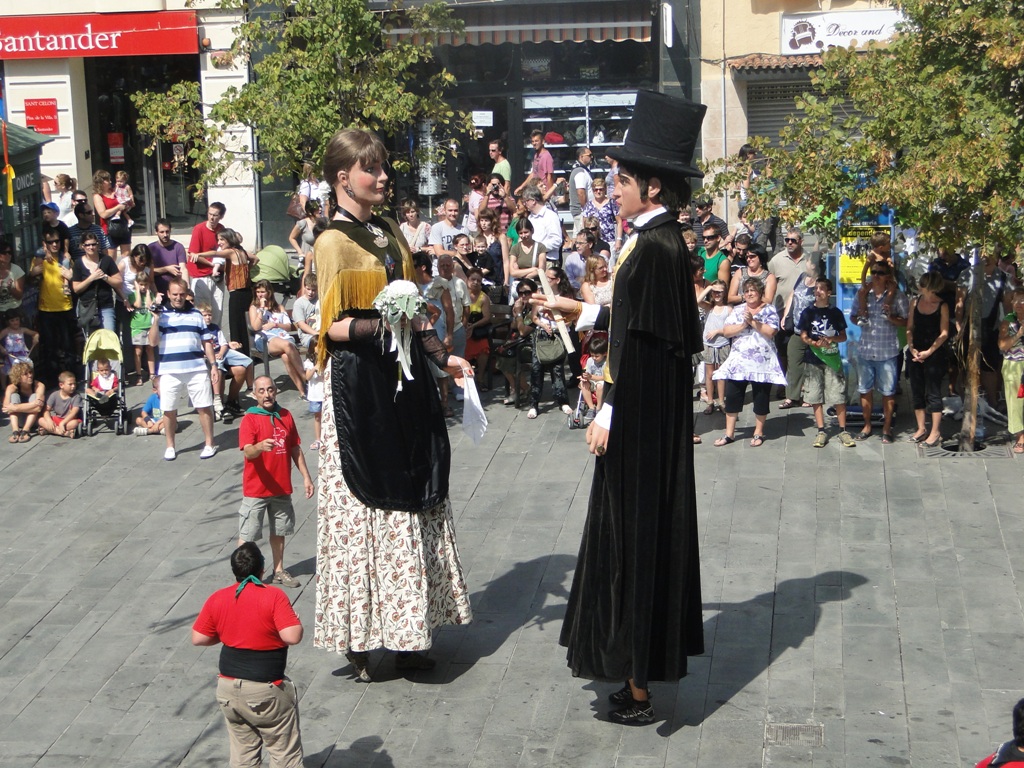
<point x="804" y="33"/>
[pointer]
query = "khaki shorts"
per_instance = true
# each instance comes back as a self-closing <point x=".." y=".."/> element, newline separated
<point x="823" y="384"/>
<point x="261" y="717"/>
<point x="250" y="517"/>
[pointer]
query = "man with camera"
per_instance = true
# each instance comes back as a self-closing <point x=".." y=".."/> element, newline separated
<point x="185" y="358"/>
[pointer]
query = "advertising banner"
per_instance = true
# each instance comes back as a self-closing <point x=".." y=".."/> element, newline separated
<point x="804" y="33"/>
<point x="98" y="34"/>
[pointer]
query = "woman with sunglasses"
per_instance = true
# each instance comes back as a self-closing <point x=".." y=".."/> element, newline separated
<point x="95" y="279"/>
<point x="606" y="211"/>
<point x="516" y="369"/>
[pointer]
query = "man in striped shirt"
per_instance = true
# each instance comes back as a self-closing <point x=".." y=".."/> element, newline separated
<point x="185" y="359"/>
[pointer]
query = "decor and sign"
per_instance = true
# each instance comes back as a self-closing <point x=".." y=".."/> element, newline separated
<point x="41" y="116"/>
<point x="804" y="33"/>
<point x="98" y="34"/>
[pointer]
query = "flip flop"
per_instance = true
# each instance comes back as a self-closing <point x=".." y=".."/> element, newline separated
<point x="887" y="438"/>
<point x="1018" y="448"/>
<point x="24" y="437"/>
<point x="697" y="440"/>
<point x="724" y="440"/>
<point x="862" y="436"/>
<point x="756" y="441"/>
<point x="14" y="436"/>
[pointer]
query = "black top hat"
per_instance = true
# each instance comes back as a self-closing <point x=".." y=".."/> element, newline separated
<point x="662" y="134"/>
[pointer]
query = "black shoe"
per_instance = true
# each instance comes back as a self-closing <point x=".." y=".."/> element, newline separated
<point x="234" y="407"/>
<point x="411" y="661"/>
<point x="637" y="713"/>
<point x="360" y="661"/>
<point x="624" y="696"/>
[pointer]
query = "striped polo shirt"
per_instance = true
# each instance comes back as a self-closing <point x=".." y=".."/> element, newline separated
<point x="182" y="334"/>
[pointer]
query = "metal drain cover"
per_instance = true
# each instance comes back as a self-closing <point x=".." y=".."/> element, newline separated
<point x="949" y="450"/>
<point x="794" y="735"/>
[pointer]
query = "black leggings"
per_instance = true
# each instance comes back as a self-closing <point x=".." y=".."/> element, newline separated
<point x="238" y="312"/>
<point x="926" y="382"/>
<point x="736" y="391"/>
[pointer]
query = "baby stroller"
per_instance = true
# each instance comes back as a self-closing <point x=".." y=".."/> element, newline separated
<point x="113" y="409"/>
<point x="578" y="419"/>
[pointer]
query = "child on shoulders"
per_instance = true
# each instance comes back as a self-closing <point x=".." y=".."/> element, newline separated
<point x="63" y="412"/>
<point x="151" y="420"/>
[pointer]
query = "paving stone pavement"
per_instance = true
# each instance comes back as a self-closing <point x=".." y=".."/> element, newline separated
<point x="867" y="594"/>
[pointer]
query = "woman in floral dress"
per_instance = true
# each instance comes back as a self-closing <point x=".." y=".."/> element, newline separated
<point x="388" y="567"/>
<point x="752" y="327"/>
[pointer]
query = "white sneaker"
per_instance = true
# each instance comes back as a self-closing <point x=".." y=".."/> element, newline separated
<point x="170" y="454"/>
<point x="208" y="452"/>
<point x="141" y="432"/>
<point x="532" y="413"/>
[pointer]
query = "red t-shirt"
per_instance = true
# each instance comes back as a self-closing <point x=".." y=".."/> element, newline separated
<point x="270" y="473"/>
<point x="203" y="239"/>
<point x="252" y="621"/>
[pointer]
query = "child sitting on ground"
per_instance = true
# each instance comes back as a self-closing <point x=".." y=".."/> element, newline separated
<point x="63" y="409"/>
<point x="12" y="341"/>
<point x="592" y="379"/>
<point x="104" y="384"/>
<point x="24" y="401"/>
<point x="314" y="392"/>
<point x="151" y="421"/>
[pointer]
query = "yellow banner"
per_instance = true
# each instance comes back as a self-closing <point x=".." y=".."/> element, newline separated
<point x="854" y="247"/>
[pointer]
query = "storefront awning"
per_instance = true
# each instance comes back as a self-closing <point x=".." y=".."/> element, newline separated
<point x="554" y="22"/>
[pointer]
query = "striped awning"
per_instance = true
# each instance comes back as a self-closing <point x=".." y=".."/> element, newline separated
<point x="553" y="22"/>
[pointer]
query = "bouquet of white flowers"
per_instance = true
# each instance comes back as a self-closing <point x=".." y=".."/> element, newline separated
<point x="398" y="304"/>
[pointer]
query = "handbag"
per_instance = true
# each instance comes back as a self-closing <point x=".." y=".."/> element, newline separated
<point x="117" y="229"/>
<point x="87" y="312"/>
<point x="510" y="347"/>
<point x="550" y="349"/>
<point x="295" y="209"/>
<point x="480" y="331"/>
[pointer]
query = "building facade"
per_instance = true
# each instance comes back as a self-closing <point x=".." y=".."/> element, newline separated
<point x="68" y="73"/>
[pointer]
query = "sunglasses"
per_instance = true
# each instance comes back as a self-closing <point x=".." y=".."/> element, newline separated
<point x="790" y="240"/>
<point x="526" y="293"/>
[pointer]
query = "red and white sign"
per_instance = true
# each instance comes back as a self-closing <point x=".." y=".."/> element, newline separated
<point x="98" y="34"/>
<point x="115" y="141"/>
<point x="41" y="115"/>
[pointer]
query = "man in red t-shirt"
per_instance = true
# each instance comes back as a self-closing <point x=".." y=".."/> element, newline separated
<point x="202" y="249"/>
<point x="256" y="624"/>
<point x="1012" y="752"/>
<point x="268" y="438"/>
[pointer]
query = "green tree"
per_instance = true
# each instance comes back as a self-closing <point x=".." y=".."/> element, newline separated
<point x="317" y="66"/>
<point x="935" y="133"/>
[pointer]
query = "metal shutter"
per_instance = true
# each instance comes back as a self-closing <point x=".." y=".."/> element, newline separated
<point x="769" y="104"/>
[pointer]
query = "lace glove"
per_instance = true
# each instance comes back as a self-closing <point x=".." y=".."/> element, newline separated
<point x="363" y="329"/>
<point x="433" y="348"/>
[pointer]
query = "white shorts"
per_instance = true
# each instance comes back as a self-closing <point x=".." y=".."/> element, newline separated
<point x="200" y="392"/>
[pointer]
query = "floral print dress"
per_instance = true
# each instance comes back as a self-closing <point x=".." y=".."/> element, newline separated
<point x="752" y="357"/>
<point x="384" y="578"/>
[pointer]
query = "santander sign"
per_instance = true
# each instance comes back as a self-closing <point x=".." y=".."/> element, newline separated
<point x="98" y="34"/>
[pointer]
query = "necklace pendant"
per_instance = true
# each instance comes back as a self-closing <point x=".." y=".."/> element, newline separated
<point x="380" y="241"/>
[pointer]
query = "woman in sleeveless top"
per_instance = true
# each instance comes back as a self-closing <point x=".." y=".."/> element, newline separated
<point x="927" y="331"/>
<point x="238" y="261"/>
<point x="526" y="258"/>
<point x="757" y="269"/>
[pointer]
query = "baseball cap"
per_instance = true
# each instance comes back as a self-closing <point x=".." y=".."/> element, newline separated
<point x="52" y="206"/>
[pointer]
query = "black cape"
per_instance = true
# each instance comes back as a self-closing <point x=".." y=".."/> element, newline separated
<point x="634" y="609"/>
<point x="393" y="446"/>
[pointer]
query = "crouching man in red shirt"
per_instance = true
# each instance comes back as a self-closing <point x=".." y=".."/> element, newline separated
<point x="256" y="624"/>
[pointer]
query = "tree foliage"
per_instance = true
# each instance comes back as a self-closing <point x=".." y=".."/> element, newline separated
<point x="935" y="131"/>
<point x="317" y="66"/>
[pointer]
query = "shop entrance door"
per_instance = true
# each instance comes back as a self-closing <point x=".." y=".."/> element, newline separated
<point x="163" y="187"/>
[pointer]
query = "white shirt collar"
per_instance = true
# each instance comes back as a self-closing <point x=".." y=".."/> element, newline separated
<point x="643" y="218"/>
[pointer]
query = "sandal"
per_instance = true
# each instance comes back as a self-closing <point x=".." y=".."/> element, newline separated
<point x="1018" y="448"/>
<point x="14" y="436"/>
<point x="862" y="436"/>
<point x="786" y="404"/>
<point x="24" y="436"/>
<point x="918" y="438"/>
<point x="887" y="438"/>
<point x="709" y="409"/>
<point x="724" y="440"/>
<point x="756" y="441"/>
<point x="697" y="440"/>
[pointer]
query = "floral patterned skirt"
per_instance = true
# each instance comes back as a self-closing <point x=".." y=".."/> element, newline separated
<point x="384" y="578"/>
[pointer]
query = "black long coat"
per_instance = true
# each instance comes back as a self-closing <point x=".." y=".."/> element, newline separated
<point x="635" y="605"/>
